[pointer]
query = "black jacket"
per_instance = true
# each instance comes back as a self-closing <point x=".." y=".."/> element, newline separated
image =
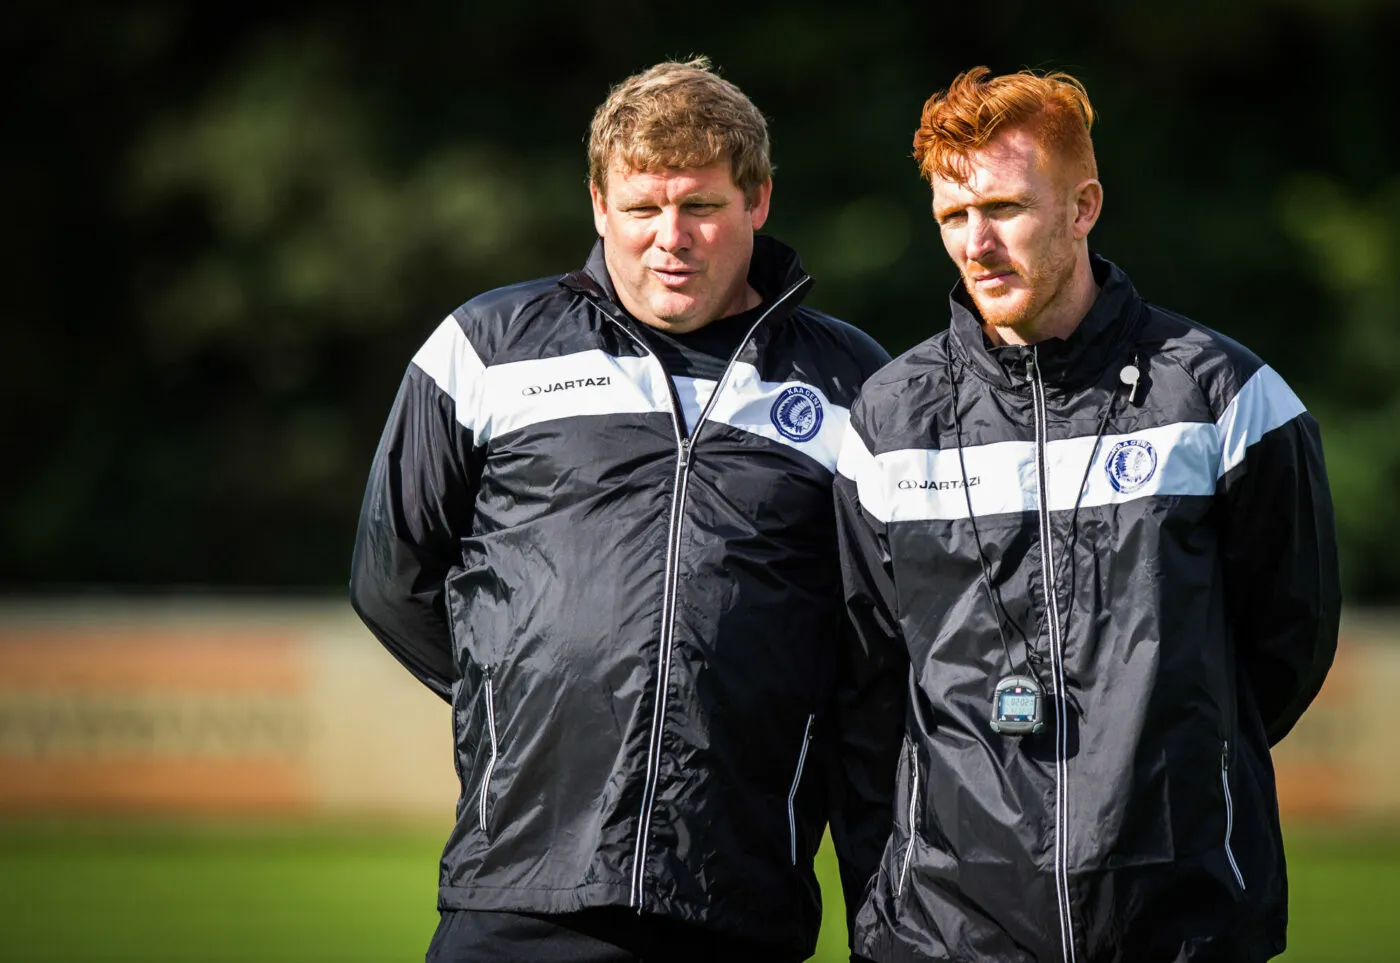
<point x="638" y="627"/>
<point x="1163" y="560"/>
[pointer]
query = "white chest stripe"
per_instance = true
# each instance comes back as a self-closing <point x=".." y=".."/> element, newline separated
<point x="1185" y="458"/>
<point x="749" y="403"/>
<point x="492" y="401"/>
<point x="917" y="484"/>
<point x="523" y="393"/>
<point x="507" y="397"/>
<point x="694" y="394"/>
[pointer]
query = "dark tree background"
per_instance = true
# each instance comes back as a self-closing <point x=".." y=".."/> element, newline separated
<point x="228" y="226"/>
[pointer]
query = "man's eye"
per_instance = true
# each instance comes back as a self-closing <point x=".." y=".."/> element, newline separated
<point x="952" y="218"/>
<point x="642" y="210"/>
<point x="701" y="209"/>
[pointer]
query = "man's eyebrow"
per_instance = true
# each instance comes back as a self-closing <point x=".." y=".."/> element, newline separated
<point x="1019" y="197"/>
<point x="1023" y="198"/>
<point x="698" y="197"/>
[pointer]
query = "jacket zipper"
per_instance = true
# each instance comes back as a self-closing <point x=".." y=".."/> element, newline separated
<point x="913" y="804"/>
<point x="796" y="780"/>
<point x="1047" y="574"/>
<point x="1229" y="812"/>
<point x="685" y="444"/>
<point x="491" y="730"/>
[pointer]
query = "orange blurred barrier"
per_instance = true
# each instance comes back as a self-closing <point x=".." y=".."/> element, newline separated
<point x="1340" y="761"/>
<point x="213" y="707"/>
<point x="272" y="706"/>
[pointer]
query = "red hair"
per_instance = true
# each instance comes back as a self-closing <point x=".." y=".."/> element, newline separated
<point x="1053" y="107"/>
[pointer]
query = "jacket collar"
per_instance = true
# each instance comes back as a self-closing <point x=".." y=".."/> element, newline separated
<point x="1101" y="338"/>
<point x="774" y="270"/>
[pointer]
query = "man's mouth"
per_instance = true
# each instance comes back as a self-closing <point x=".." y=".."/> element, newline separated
<point x="674" y="277"/>
<point x="989" y="278"/>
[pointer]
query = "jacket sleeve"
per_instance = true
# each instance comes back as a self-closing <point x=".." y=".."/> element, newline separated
<point x="1282" y="588"/>
<point x="417" y="507"/>
<point x="873" y="691"/>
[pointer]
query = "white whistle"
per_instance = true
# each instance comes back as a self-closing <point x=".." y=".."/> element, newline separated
<point x="1130" y="376"/>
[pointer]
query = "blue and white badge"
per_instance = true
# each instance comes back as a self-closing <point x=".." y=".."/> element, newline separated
<point x="797" y="413"/>
<point x="1131" y="464"/>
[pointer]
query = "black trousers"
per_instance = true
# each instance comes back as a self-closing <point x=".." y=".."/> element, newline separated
<point x="604" y="935"/>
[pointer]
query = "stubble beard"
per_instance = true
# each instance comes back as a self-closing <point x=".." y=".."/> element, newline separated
<point x="1044" y="287"/>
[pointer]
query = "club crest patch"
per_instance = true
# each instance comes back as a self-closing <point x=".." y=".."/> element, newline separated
<point x="1131" y="464"/>
<point x="797" y="413"/>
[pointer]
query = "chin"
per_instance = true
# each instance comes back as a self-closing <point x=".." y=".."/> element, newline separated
<point x="675" y="310"/>
<point x="1003" y="313"/>
<point x="672" y="316"/>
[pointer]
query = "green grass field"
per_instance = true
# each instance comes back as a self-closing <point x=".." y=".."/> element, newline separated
<point x="199" y="893"/>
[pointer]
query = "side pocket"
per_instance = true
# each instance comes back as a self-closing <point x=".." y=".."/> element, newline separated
<point x="1229" y="812"/>
<point x="459" y="720"/>
<point x="457" y="726"/>
<point x="796" y="781"/>
<point x="490" y="695"/>
<point x="913" y="818"/>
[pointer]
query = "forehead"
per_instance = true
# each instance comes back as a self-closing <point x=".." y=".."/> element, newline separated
<point x="1008" y="164"/>
<point x="714" y="178"/>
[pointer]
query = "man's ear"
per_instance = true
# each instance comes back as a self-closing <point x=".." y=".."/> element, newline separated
<point x="1088" y="205"/>
<point x="758" y="210"/>
<point x="600" y="210"/>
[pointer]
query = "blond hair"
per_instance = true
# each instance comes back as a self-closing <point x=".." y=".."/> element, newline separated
<point x="679" y="115"/>
<point x="1053" y="107"/>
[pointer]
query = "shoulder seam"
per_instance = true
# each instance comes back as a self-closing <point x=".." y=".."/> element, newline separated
<point x="467" y="314"/>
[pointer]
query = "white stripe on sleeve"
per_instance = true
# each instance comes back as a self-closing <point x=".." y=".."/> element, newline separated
<point x="450" y="360"/>
<point x="857" y="464"/>
<point x="1263" y="404"/>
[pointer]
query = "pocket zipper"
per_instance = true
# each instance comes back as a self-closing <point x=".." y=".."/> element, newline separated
<point x="913" y="801"/>
<point x="1229" y="812"/>
<point x="491" y="730"/>
<point x="797" y="779"/>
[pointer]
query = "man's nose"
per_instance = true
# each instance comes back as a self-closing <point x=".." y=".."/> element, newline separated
<point x="671" y="231"/>
<point x="981" y="237"/>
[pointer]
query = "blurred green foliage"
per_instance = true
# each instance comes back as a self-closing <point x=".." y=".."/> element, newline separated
<point x="229" y="226"/>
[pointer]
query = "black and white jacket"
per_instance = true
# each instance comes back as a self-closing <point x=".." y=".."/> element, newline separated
<point x="1162" y="559"/>
<point x="632" y="601"/>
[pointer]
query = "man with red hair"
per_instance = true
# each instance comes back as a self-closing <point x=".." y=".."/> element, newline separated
<point x="1101" y="534"/>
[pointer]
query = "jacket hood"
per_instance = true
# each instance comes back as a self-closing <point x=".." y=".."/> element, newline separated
<point x="774" y="269"/>
<point x="1104" y="336"/>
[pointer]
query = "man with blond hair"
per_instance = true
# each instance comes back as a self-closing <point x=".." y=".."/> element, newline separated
<point x="1101" y="535"/>
<point x="599" y="525"/>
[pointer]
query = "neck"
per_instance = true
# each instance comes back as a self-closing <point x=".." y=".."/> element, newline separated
<point x="1060" y="317"/>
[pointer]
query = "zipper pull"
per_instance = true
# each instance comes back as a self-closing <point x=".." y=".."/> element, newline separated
<point x="685" y="451"/>
<point x="1225" y="756"/>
